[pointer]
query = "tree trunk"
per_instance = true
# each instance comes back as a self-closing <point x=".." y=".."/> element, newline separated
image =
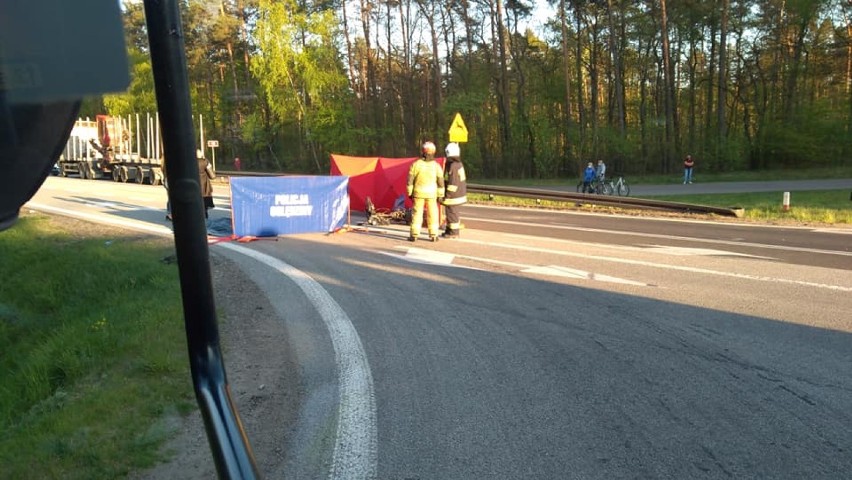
<point x="563" y="21"/>
<point x="792" y="80"/>
<point x="618" y="73"/>
<point x="566" y="65"/>
<point x="406" y="111"/>
<point x="693" y="84"/>
<point x="670" y="98"/>
<point x="643" y="96"/>
<point x="721" y="110"/>
<point x="503" y="87"/>
<point x="594" y="83"/>
<point x="436" y="75"/>
<point x="711" y="90"/>
<point x="578" y="59"/>
<point x="847" y="147"/>
<point x="350" y="61"/>
<point x="368" y="72"/>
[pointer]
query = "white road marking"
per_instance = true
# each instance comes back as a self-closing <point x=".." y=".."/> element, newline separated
<point x="429" y="256"/>
<point x="356" y="443"/>
<point x="698" y="252"/>
<point x="556" y="270"/>
<point x="662" y="266"/>
<point x="100" y="204"/>
<point x="99" y="218"/>
<point x="841" y="231"/>
<point x="440" y="258"/>
<point x="443" y="259"/>
<point x="668" y="237"/>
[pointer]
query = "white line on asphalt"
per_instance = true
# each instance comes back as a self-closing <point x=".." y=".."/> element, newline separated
<point x="355" y="446"/>
<point x="440" y="258"/>
<point x="658" y="265"/>
<point x="560" y="271"/>
<point x="131" y="224"/>
<point x="840" y="231"/>
<point x="655" y="235"/>
<point x="429" y="256"/>
<point x="695" y="252"/>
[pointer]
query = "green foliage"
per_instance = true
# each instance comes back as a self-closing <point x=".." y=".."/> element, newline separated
<point x="300" y="74"/>
<point x="283" y="85"/>
<point x="92" y="352"/>
<point x="140" y="97"/>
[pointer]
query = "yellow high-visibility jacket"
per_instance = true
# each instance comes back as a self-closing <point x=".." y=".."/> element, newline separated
<point x="425" y="179"/>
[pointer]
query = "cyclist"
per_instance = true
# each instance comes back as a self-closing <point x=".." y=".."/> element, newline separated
<point x="588" y="178"/>
<point x="601" y="171"/>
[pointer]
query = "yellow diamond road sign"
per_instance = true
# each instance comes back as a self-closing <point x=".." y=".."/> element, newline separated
<point x="458" y="130"/>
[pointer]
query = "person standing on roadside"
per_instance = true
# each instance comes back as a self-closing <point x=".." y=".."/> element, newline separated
<point x="455" y="196"/>
<point x="688" y="163"/>
<point x="206" y="174"/>
<point x="424" y="186"/>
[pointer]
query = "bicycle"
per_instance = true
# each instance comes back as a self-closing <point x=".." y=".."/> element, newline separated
<point x="598" y="187"/>
<point x="602" y="187"/>
<point x="620" y="186"/>
<point x="383" y="216"/>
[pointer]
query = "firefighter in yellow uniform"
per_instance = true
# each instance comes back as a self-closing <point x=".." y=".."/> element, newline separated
<point x="425" y="185"/>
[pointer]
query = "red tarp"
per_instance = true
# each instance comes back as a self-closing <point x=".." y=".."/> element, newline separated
<point x="391" y="177"/>
<point x="361" y="172"/>
<point x="381" y="179"/>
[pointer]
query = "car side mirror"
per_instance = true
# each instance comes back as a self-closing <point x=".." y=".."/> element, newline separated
<point x="32" y="136"/>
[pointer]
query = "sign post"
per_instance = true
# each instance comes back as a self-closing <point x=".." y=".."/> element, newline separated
<point x="213" y="144"/>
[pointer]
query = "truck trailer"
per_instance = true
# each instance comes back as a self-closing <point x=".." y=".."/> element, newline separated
<point x="123" y="148"/>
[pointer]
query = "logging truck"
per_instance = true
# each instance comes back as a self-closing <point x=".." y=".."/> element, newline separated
<point x="123" y="148"/>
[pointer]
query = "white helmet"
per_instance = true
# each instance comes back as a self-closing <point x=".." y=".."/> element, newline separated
<point x="429" y="148"/>
<point x="452" y="150"/>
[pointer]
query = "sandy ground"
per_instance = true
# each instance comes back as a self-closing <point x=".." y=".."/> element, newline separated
<point x="259" y="373"/>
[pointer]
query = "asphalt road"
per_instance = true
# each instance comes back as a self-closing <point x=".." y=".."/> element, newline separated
<point x="496" y="361"/>
<point x="552" y="344"/>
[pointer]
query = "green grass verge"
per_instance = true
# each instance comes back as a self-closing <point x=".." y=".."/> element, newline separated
<point x="93" y="364"/>
<point x="816" y="206"/>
